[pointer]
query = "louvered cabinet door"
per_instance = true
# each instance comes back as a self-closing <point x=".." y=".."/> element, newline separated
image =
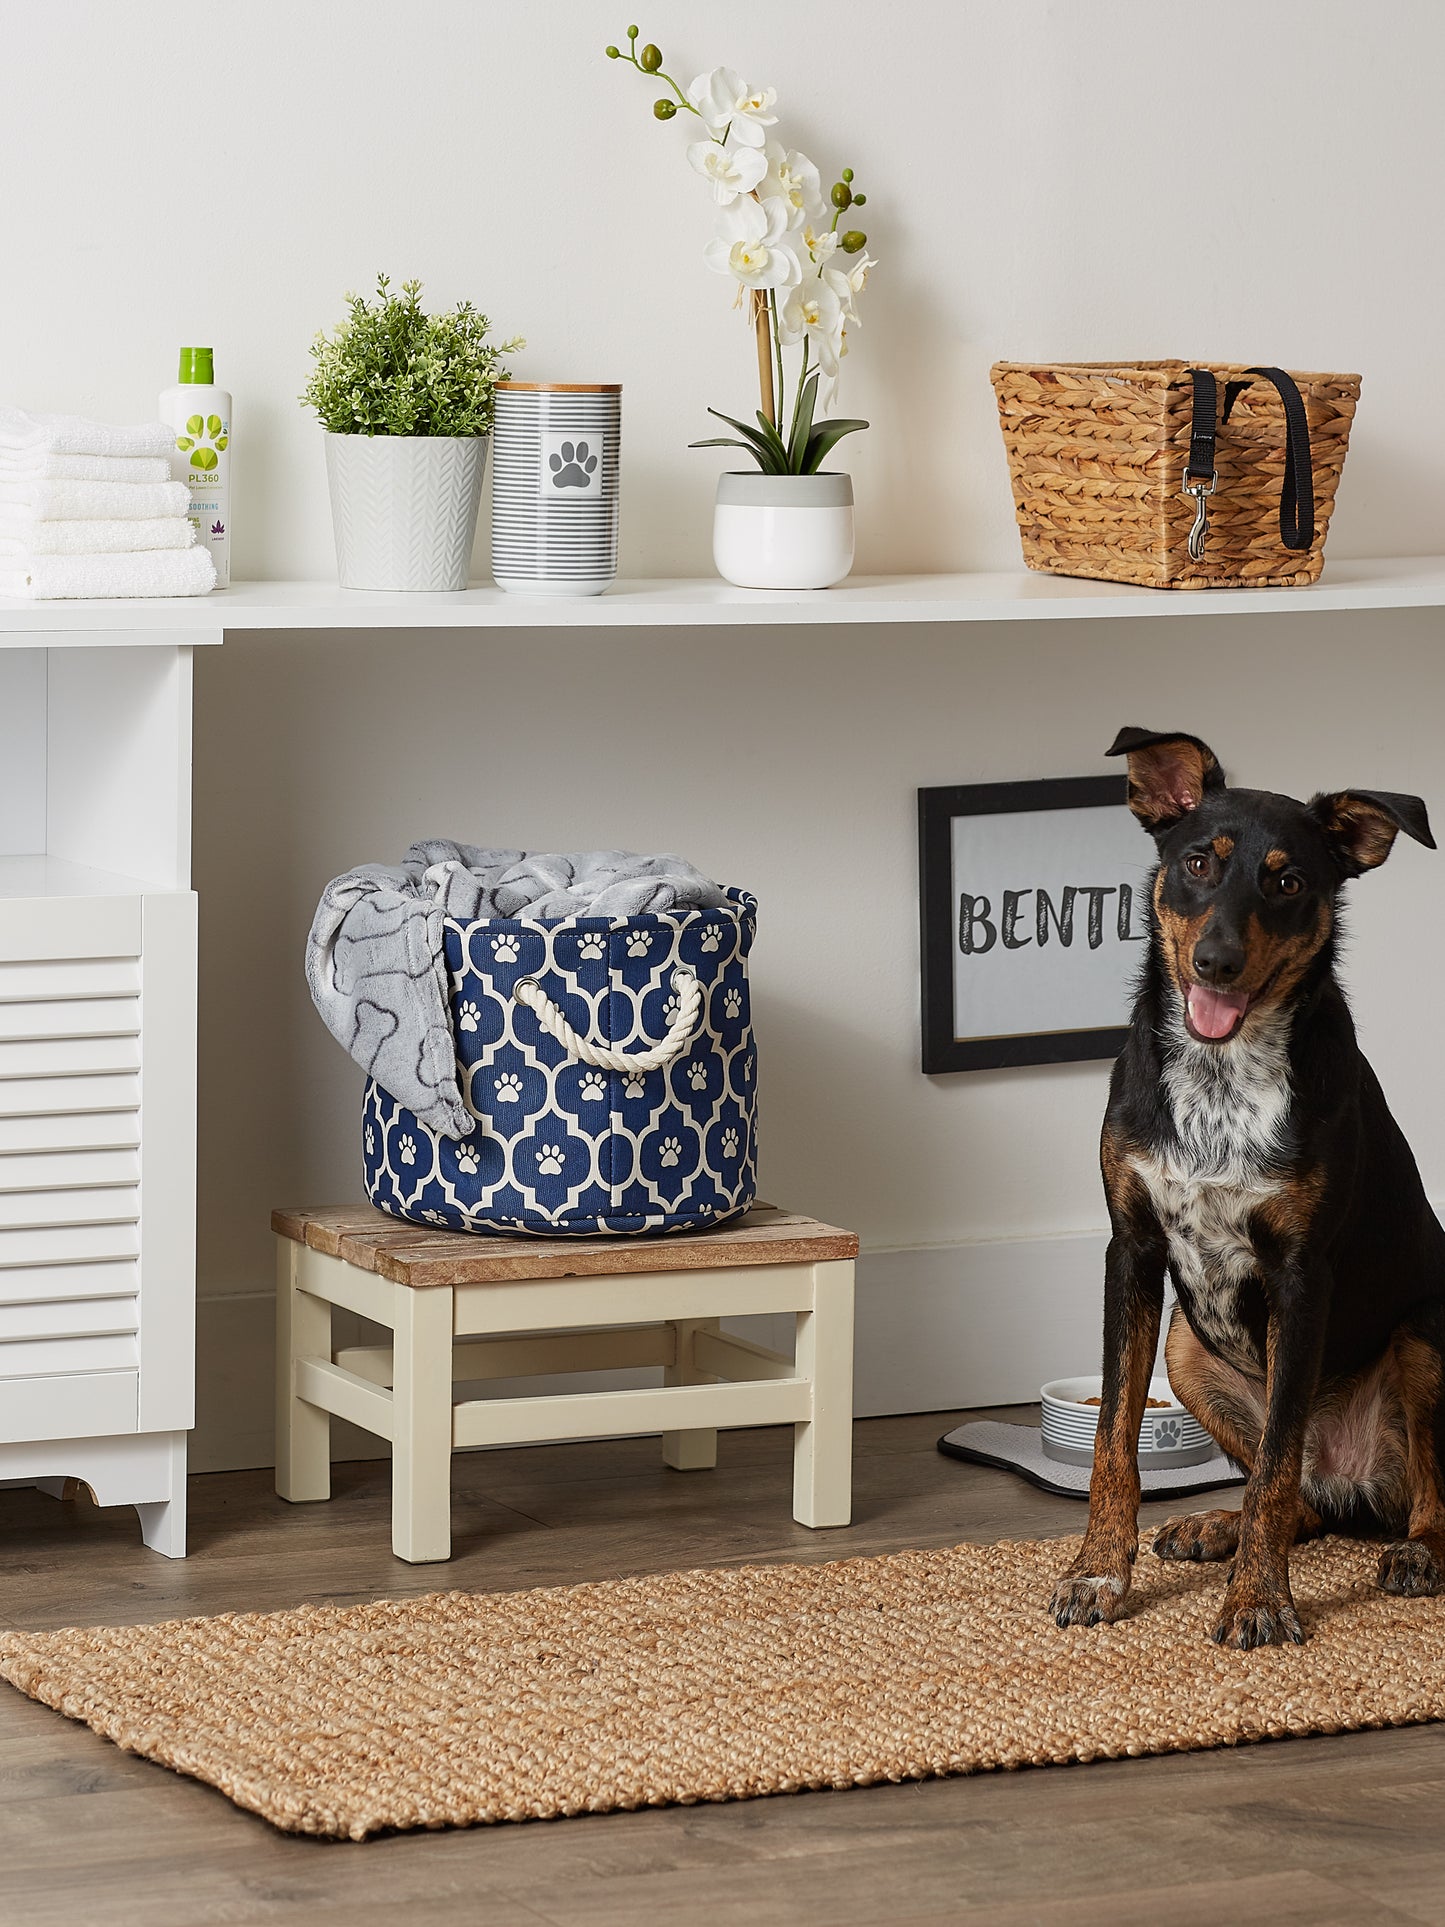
<point x="96" y="1165"/>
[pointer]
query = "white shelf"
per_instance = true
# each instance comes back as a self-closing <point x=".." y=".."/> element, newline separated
<point x="29" y="877"/>
<point x="1409" y="582"/>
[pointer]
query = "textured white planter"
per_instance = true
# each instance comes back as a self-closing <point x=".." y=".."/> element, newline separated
<point x="783" y="531"/>
<point x="404" y="508"/>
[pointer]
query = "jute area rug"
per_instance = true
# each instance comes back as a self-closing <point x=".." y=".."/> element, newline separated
<point x="456" y="1708"/>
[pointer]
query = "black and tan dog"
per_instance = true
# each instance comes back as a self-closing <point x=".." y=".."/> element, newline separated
<point x="1249" y="1152"/>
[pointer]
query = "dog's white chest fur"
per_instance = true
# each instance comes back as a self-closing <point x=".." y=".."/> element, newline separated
<point x="1229" y="1104"/>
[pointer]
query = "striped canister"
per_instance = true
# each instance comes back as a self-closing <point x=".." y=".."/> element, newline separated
<point x="555" y="462"/>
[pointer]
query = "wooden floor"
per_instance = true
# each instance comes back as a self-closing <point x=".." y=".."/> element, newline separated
<point x="1350" y="1829"/>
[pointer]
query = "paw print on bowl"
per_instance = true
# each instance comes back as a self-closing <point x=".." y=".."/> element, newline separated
<point x="467" y="1161"/>
<point x="593" y="1088"/>
<point x="710" y="938"/>
<point x="505" y="950"/>
<point x="549" y="1161"/>
<point x="697" y="1074"/>
<point x="468" y="1016"/>
<point x="407" y="1150"/>
<point x="507" y="1089"/>
<point x="670" y="1153"/>
<point x="1166" y="1434"/>
<point x="639" y="943"/>
<point x="732" y="1003"/>
<point x="592" y="946"/>
<point x="730" y="1142"/>
<point x="572" y="466"/>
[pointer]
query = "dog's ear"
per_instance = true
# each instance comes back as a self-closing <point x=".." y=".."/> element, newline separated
<point x="1362" y="824"/>
<point x="1169" y="775"/>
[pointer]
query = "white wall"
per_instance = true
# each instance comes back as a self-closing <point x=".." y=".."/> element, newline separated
<point x="1036" y="186"/>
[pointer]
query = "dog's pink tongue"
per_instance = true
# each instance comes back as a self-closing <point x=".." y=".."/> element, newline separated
<point x="1213" y="1013"/>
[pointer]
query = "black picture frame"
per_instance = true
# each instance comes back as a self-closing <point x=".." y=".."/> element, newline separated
<point x="937" y="809"/>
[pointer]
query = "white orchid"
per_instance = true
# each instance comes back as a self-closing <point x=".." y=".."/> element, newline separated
<point x="727" y="107"/>
<point x="792" y="178"/>
<point x="733" y="171"/>
<point x="752" y="246"/>
<point x="783" y="240"/>
<point x="813" y="313"/>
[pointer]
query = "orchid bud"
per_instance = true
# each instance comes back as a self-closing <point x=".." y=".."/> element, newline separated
<point x="859" y="199"/>
<point x="664" y="109"/>
<point x="613" y="53"/>
<point x="632" y="33"/>
<point x="854" y="241"/>
<point x="650" y="59"/>
<point x="842" y="194"/>
<point x="847" y="173"/>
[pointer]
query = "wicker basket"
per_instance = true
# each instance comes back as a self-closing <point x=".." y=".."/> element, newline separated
<point x="1098" y="452"/>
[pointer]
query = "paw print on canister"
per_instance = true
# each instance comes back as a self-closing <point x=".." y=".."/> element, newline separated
<point x="572" y="466"/>
<point x="504" y="949"/>
<point x="468" y="1016"/>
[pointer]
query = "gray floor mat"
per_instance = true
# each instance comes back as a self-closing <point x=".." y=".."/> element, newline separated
<point x="1019" y="1448"/>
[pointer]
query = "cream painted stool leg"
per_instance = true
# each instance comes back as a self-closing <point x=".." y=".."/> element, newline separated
<point x="693" y="1451"/>
<point x="303" y="1432"/>
<point x="823" y="1445"/>
<point x="421" y="1415"/>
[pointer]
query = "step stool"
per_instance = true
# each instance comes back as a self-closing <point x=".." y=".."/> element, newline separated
<point x="461" y="1307"/>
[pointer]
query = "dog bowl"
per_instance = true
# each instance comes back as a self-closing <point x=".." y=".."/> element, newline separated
<point x="1169" y="1435"/>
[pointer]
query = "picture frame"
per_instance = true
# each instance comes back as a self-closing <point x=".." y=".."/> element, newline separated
<point x="1033" y="912"/>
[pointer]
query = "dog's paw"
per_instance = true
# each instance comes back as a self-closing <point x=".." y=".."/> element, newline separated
<point x="1086" y="1599"/>
<point x="1198" y="1535"/>
<point x="1412" y="1569"/>
<point x="1261" y="1621"/>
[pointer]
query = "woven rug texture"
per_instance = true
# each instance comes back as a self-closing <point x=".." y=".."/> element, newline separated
<point x="456" y="1708"/>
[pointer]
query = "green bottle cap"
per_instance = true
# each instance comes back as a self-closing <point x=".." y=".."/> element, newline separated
<point x="198" y="364"/>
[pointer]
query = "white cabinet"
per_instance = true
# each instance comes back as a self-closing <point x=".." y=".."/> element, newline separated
<point x="97" y="1071"/>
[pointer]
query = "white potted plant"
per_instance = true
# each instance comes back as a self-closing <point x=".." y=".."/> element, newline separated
<point x="788" y="522"/>
<point x="405" y="399"/>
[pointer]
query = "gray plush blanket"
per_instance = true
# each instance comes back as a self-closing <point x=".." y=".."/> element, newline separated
<point x="376" y="967"/>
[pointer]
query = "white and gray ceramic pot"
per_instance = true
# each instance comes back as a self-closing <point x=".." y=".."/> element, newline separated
<point x="783" y="531"/>
<point x="555" y="486"/>
<point x="404" y="508"/>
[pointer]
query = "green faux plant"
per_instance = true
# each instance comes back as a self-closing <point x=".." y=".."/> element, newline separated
<point x="391" y="369"/>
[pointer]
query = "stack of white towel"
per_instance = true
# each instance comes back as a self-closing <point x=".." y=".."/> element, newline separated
<point x="87" y="509"/>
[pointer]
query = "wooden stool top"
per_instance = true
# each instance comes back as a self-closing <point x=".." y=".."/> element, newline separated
<point x="410" y="1254"/>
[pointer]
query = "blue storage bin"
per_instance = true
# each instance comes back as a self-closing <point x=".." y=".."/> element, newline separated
<point x="573" y="1136"/>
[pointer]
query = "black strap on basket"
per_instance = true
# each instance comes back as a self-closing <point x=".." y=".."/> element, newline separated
<point x="1201" y="474"/>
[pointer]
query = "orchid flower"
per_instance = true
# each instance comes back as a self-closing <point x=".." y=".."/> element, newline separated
<point x="727" y="107"/>
<point x="733" y="171"/>
<point x="752" y="246"/>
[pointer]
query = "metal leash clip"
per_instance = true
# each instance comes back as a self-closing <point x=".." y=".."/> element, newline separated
<point x="1200" y="531"/>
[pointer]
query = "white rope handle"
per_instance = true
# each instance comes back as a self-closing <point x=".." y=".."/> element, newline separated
<point x="528" y="991"/>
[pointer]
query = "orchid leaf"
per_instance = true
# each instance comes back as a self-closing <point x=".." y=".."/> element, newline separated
<point x="825" y="438"/>
<point x="802" y="424"/>
<point x="750" y="435"/>
<point x="777" y="447"/>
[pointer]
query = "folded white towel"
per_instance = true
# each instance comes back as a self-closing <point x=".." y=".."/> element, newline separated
<point x="22" y="432"/>
<point x="41" y="467"/>
<point x="160" y="572"/>
<point x="22" y="535"/>
<point x="96" y="501"/>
